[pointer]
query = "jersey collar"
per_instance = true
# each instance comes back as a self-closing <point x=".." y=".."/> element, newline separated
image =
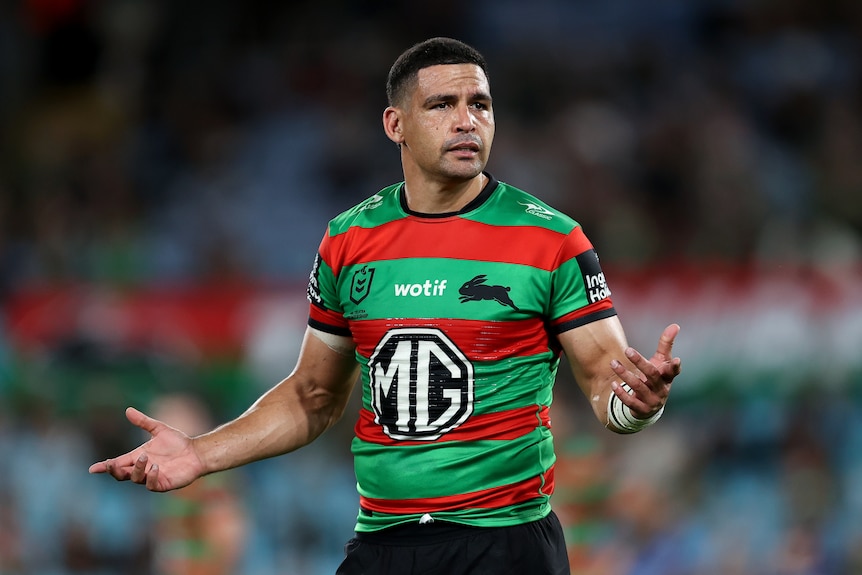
<point x="483" y="196"/>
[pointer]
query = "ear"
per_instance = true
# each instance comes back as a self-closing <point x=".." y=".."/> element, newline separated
<point x="392" y="124"/>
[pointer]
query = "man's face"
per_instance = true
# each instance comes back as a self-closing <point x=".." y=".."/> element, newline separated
<point x="447" y="123"/>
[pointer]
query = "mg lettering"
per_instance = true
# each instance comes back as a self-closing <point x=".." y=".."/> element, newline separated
<point x="421" y="384"/>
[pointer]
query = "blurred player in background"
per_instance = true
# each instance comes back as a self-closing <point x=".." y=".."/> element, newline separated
<point x="201" y="528"/>
<point x="451" y="298"/>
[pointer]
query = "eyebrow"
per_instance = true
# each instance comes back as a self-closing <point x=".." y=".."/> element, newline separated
<point x="448" y="98"/>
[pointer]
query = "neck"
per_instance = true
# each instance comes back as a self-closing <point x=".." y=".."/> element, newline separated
<point x="442" y="197"/>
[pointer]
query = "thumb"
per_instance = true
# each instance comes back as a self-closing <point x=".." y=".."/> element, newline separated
<point x="665" y="342"/>
<point x="142" y="420"/>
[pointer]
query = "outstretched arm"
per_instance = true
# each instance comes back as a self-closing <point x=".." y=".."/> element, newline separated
<point x="290" y="415"/>
<point x="604" y="365"/>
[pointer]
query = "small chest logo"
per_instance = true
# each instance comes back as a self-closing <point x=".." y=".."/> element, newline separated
<point x="537" y="210"/>
<point x="477" y="290"/>
<point x="371" y="203"/>
<point x="360" y="285"/>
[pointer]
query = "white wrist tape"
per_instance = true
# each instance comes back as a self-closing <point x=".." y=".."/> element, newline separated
<point x="622" y="417"/>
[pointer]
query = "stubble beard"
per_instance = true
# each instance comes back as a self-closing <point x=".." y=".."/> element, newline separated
<point x="456" y="169"/>
<point x="462" y="172"/>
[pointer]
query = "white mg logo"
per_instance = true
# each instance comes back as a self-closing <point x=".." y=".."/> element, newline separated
<point x="421" y="384"/>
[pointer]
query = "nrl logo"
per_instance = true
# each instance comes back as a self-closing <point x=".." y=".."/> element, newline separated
<point x="537" y="210"/>
<point x="360" y="285"/>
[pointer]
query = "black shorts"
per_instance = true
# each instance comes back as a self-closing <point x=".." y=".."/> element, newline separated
<point x="441" y="548"/>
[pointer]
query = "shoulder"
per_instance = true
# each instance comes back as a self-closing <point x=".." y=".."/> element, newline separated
<point x="373" y="211"/>
<point x="516" y="207"/>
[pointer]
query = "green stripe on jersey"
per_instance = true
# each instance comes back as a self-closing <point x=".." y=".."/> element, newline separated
<point x="429" y="288"/>
<point x="450" y="468"/>
<point x="509" y="206"/>
<point x="379" y="209"/>
<point x="569" y="294"/>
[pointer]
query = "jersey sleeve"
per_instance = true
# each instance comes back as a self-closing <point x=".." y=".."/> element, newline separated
<point x="325" y="310"/>
<point x="579" y="290"/>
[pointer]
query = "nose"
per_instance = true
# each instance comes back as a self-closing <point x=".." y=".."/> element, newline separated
<point x="464" y="121"/>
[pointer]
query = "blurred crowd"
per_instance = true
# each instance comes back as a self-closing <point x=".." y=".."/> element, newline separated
<point x="161" y="142"/>
<point x="148" y="143"/>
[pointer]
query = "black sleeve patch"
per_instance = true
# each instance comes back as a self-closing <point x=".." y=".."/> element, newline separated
<point x="595" y="285"/>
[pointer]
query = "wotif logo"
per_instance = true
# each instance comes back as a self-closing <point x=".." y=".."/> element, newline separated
<point x="427" y="289"/>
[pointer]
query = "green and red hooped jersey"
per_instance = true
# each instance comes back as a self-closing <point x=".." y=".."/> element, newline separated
<point x="455" y="318"/>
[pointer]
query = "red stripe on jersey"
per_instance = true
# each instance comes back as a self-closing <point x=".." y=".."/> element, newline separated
<point x="478" y="340"/>
<point x="493" y="498"/>
<point x="502" y="425"/>
<point x="457" y="238"/>
<point x="576" y="244"/>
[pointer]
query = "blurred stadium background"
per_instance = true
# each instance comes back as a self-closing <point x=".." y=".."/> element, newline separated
<point x="167" y="170"/>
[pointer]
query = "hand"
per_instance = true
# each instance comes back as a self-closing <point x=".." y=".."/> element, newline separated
<point x="167" y="461"/>
<point x="651" y="384"/>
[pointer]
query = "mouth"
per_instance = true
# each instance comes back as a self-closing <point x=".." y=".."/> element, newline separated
<point x="469" y="148"/>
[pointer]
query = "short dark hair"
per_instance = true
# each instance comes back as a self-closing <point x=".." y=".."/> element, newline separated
<point x="431" y="52"/>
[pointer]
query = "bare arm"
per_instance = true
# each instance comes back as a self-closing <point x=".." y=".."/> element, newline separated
<point x="601" y="361"/>
<point x="290" y="415"/>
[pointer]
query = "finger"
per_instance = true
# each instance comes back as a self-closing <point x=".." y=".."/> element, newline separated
<point x="662" y="367"/>
<point x="633" y="400"/>
<point x="625" y="374"/>
<point x="117" y="470"/>
<point x="139" y="470"/>
<point x="667" y="370"/>
<point x="635" y="381"/>
<point x="665" y="341"/>
<point x="646" y="395"/>
<point x="676" y="366"/>
<point x="113" y="467"/>
<point x="153" y="478"/>
<point x="650" y="377"/>
<point x="645" y="366"/>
